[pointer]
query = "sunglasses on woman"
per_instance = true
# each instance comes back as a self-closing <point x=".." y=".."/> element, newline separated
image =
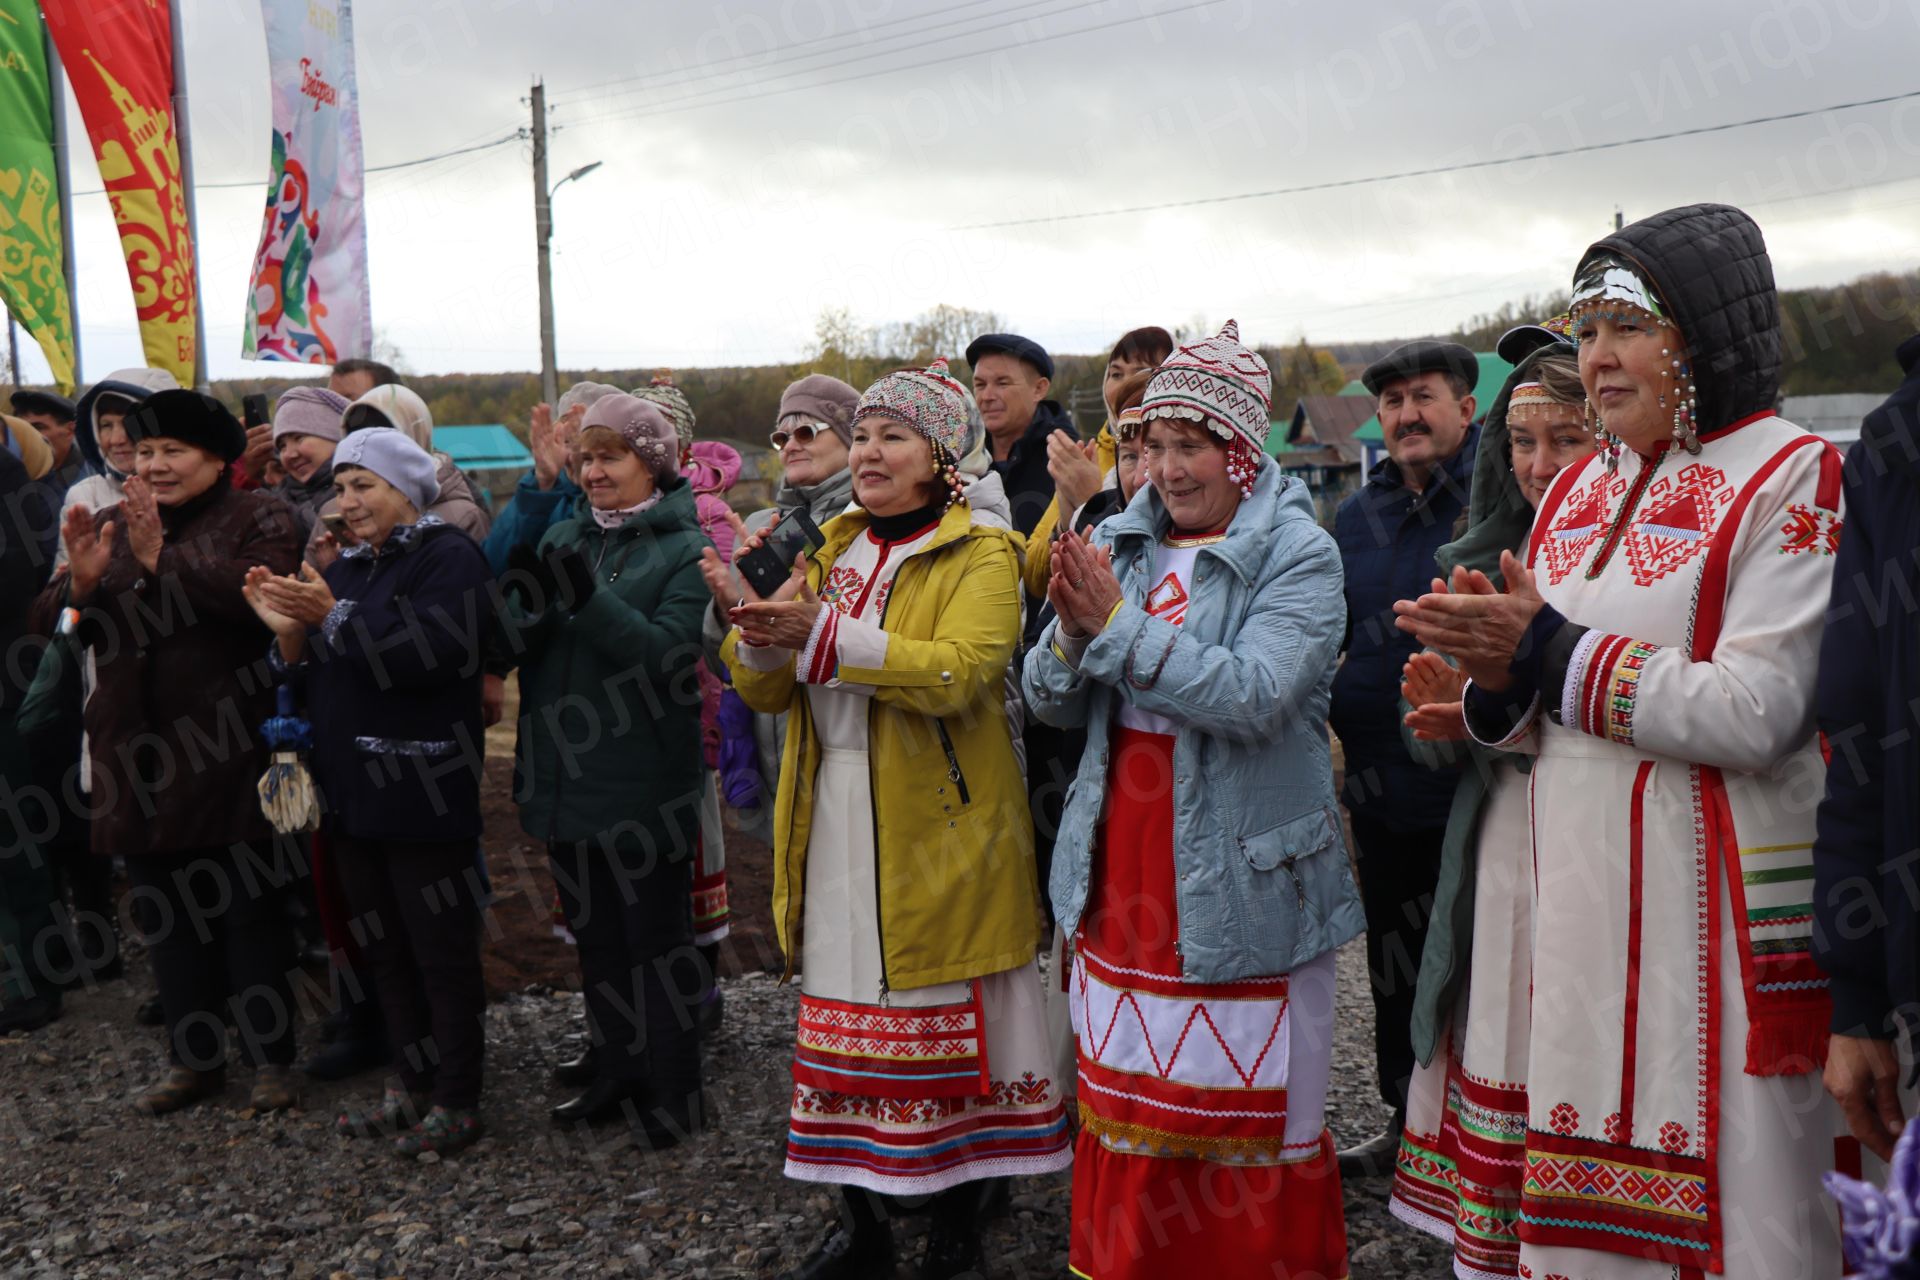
<point x="803" y="432"/>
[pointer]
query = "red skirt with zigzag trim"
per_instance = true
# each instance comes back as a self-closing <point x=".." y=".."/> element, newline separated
<point x="1202" y="1146"/>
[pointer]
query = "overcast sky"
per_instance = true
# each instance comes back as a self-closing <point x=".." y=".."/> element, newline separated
<point x="728" y="214"/>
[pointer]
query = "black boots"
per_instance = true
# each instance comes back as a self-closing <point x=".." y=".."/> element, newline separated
<point x="953" y="1238"/>
<point x="669" y="1123"/>
<point x="859" y="1247"/>
<point x="1377" y="1156"/>
<point x="602" y="1100"/>
<point x="355" y="1036"/>
<point x="578" y="1072"/>
<point x="30" y="1013"/>
<point x="674" y="1111"/>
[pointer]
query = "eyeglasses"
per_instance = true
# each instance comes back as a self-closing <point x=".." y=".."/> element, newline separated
<point x="803" y="432"/>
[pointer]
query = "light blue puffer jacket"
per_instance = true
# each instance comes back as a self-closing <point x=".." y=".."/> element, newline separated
<point x="1263" y="883"/>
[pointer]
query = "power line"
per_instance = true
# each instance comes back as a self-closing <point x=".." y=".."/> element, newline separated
<point x="378" y="168"/>
<point x="828" y="66"/>
<point x="1829" y="192"/>
<point x="668" y="107"/>
<point x="867" y="56"/>
<point x="1500" y="287"/>
<point x="798" y="44"/>
<point x="1339" y="183"/>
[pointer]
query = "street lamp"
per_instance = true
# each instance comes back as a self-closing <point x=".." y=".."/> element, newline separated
<point x="581" y="172"/>
<point x="543" y="228"/>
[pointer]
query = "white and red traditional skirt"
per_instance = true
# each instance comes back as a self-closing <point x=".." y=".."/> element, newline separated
<point x="1463" y="1155"/>
<point x="912" y="1091"/>
<point x="1203" y="1148"/>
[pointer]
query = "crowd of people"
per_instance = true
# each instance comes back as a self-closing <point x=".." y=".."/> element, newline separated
<point x="1041" y="733"/>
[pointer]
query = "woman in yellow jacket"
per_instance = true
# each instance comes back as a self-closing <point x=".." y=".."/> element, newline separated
<point x="904" y="879"/>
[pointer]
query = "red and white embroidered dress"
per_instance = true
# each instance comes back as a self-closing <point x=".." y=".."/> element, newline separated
<point x="1203" y="1148"/>
<point x="1677" y="1124"/>
<point x="901" y="1091"/>
<point x="1463" y="1153"/>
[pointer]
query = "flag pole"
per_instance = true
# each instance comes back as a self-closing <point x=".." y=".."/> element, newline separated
<point x="180" y="134"/>
<point x="63" y="178"/>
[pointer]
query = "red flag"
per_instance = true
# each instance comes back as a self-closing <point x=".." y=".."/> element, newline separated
<point x="119" y="59"/>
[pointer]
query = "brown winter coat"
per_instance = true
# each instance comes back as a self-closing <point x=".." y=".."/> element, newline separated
<point x="174" y="720"/>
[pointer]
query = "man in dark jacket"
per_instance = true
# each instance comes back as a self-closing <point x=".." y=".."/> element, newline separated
<point x="53" y="417"/>
<point x="1868" y="704"/>
<point x="1011" y="377"/>
<point x="1388" y="534"/>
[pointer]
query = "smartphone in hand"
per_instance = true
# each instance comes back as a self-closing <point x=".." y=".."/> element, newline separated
<point x="771" y="563"/>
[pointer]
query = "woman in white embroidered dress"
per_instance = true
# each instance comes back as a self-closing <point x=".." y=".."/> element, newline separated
<point x="1660" y="640"/>
<point x="904" y="888"/>
<point x="1461" y="1157"/>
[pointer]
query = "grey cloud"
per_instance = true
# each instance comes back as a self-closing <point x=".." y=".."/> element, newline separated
<point x="1236" y="96"/>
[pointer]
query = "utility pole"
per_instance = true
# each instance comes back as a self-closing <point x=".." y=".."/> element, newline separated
<point x="1618" y="220"/>
<point x="13" y="350"/>
<point x="543" y="245"/>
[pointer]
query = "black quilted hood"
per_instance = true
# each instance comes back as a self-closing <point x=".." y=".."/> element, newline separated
<point x="1710" y="266"/>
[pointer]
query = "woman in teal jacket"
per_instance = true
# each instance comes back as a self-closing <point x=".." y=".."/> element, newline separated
<point x="604" y="623"/>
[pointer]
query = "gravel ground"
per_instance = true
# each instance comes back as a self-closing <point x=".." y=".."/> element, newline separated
<point x="92" y="1189"/>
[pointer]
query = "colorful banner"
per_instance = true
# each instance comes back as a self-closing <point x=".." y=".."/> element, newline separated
<point x="33" y="283"/>
<point x="129" y="115"/>
<point x="309" y="299"/>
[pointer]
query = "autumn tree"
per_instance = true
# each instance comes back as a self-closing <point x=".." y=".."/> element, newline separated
<point x="1301" y="370"/>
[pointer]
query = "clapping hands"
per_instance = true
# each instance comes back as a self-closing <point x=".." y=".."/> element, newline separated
<point x="1082" y="589"/>
<point x="1475" y="623"/>
<point x="288" y="603"/>
<point x="1075" y="470"/>
<point x="145" y="535"/>
<point x="1434" y="691"/>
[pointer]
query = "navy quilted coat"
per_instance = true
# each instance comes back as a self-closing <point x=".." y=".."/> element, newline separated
<point x="1867" y="936"/>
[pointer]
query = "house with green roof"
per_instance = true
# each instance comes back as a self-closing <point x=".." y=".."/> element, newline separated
<point x="1333" y="442"/>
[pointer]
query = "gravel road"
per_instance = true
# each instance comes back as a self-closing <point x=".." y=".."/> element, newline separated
<point x="92" y="1189"/>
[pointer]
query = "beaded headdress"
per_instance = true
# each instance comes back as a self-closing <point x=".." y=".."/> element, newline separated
<point x="1529" y="397"/>
<point x="1609" y="287"/>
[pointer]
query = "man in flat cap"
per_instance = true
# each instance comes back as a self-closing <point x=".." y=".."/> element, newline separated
<point x="1388" y="533"/>
<point x="1011" y="377"/>
<point x="53" y="417"/>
